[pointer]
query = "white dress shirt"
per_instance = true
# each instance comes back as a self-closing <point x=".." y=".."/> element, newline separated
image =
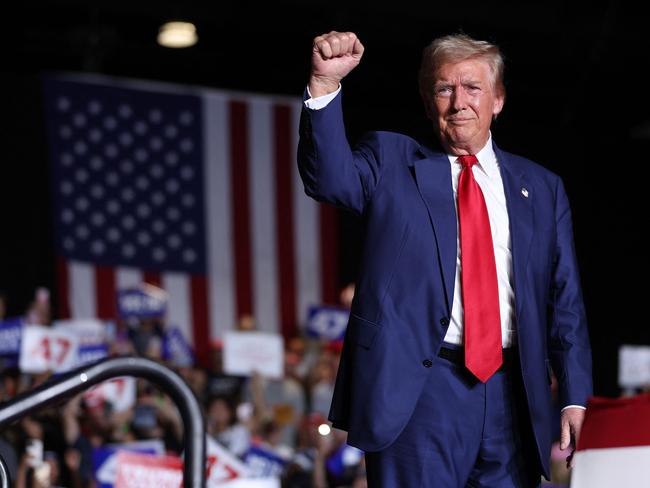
<point x="488" y="177"/>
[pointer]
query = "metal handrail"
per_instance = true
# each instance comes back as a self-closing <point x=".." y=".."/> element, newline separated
<point x="4" y="474"/>
<point x="66" y="386"/>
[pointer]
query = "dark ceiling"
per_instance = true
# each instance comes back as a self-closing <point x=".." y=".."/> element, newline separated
<point x="577" y="103"/>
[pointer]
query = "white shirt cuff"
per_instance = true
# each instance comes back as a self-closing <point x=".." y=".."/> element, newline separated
<point x="573" y="406"/>
<point x="321" y="102"/>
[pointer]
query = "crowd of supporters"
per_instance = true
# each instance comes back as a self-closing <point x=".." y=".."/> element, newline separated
<point x="284" y="419"/>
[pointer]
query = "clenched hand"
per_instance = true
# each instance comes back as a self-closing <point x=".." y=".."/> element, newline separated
<point x="334" y="55"/>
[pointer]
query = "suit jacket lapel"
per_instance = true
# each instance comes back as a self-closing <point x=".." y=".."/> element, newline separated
<point x="433" y="178"/>
<point x="520" y="196"/>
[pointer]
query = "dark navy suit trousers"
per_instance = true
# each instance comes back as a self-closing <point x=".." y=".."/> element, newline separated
<point x="463" y="433"/>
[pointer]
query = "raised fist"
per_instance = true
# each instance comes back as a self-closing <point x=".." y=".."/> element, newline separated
<point x="334" y="55"/>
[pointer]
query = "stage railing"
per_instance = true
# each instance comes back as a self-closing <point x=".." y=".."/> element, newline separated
<point x="63" y="387"/>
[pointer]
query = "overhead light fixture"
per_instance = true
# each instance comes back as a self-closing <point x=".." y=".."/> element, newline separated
<point x="177" y="34"/>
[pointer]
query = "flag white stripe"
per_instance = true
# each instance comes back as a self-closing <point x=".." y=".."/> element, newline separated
<point x="83" y="301"/>
<point x="127" y="277"/>
<point x="179" y="312"/>
<point x="263" y="215"/>
<point x="306" y="238"/>
<point x="604" y="468"/>
<point x="221" y="281"/>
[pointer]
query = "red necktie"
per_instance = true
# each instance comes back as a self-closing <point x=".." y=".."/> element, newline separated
<point x="478" y="277"/>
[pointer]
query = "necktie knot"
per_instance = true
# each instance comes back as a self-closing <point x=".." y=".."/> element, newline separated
<point x="468" y="160"/>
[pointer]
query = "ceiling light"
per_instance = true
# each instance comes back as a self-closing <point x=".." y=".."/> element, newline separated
<point x="177" y="34"/>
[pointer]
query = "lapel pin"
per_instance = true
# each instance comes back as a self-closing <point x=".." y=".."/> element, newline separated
<point x="524" y="192"/>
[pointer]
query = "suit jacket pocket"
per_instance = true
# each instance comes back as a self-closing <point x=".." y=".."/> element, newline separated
<point x="362" y="331"/>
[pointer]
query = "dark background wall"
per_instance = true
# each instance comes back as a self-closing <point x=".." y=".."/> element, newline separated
<point x="577" y="103"/>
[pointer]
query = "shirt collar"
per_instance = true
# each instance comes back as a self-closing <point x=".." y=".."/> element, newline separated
<point x="487" y="159"/>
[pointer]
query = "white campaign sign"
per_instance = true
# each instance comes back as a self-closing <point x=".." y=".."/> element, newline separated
<point x="633" y="366"/>
<point x="45" y="349"/>
<point x="247" y="352"/>
<point x="89" y="331"/>
<point x="254" y="483"/>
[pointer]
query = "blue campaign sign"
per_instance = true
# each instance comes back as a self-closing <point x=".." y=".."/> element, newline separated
<point x="147" y="302"/>
<point x="10" y="333"/>
<point x="342" y="459"/>
<point x="326" y="322"/>
<point x="105" y="466"/>
<point x="264" y="463"/>
<point x="176" y="349"/>
<point x="91" y="353"/>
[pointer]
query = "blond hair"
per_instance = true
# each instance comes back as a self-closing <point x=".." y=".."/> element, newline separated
<point x="453" y="49"/>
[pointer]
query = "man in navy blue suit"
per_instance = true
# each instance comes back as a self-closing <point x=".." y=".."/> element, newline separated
<point x="468" y="297"/>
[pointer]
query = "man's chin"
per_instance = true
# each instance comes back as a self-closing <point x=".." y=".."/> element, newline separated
<point x="463" y="143"/>
<point x="459" y="140"/>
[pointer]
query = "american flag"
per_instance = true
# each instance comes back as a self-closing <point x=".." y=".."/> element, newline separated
<point x="194" y="190"/>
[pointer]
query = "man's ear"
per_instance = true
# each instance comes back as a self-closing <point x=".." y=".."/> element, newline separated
<point x="498" y="105"/>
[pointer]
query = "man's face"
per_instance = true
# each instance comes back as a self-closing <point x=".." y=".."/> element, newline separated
<point x="461" y="105"/>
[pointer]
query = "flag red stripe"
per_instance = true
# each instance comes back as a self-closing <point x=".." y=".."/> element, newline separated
<point x="329" y="254"/>
<point x="239" y="157"/>
<point x="152" y="278"/>
<point x="200" y="318"/>
<point x="63" y="287"/>
<point x="106" y="300"/>
<point x="616" y="422"/>
<point x="284" y="217"/>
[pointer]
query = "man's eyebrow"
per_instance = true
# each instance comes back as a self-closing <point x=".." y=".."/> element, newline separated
<point x="473" y="81"/>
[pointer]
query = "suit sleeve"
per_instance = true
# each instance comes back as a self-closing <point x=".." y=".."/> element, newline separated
<point x="569" y="348"/>
<point x="330" y="170"/>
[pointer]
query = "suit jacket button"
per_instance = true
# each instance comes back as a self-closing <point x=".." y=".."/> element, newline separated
<point x="444" y="321"/>
<point x="427" y="363"/>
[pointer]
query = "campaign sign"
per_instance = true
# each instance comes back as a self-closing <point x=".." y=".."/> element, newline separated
<point x="90" y="354"/>
<point x="45" y="349"/>
<point x="176" y="349"/>
<point x="119" y="392"/>
<point x="105" y="459"/>
<point x="90" y="332"/>
<point x="327" y="322"/>
<point x="10" y="333"/>
<point x="92" y="336"/>
<point x="264" y="462"/>
<point x="633" y="366"/>
<point x="137" y="470"/>
<point x="247" y="352"/>
<point x="223" y="466"/>
<point x="342" y="459"/>
<point x="145" y="302"/>
<point x="253" y="483"/>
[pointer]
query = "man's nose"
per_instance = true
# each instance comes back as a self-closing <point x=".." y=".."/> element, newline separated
<point x="459" y="99"/>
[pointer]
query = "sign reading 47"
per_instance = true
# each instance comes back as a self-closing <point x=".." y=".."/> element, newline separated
<point x="44" y="349"/>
